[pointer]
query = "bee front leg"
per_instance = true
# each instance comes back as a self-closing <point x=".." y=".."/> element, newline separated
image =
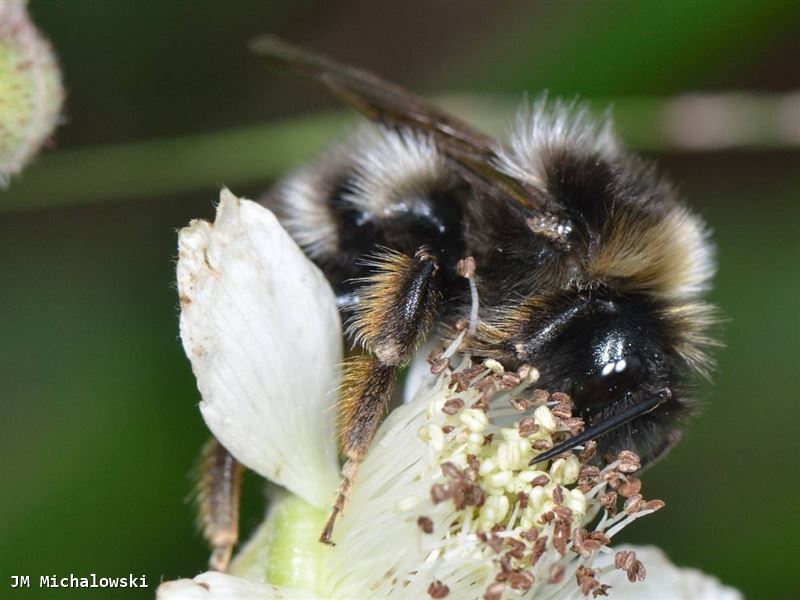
<point x="219" y="479"/>
<point x="398" y="303"/>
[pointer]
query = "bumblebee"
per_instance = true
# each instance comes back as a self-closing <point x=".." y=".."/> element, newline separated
<point x="587" y="263"/>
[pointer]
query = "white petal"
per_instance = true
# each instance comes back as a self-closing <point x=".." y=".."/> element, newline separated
<point x="378" y="533"/>
<point x="375" y="536"/>
<point x="260" y="326"/>
<point x="217" y="586"/>
<point x="664" y="580"/>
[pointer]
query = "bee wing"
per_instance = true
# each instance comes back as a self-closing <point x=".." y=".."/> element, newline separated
<point x="387" y="103"/>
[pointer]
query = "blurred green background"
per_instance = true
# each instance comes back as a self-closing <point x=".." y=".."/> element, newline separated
<point x="99" y="422"/>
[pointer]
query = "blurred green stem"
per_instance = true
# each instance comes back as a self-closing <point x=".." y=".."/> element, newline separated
<point x="259" y="153"/>
<point x="285" y="550"/>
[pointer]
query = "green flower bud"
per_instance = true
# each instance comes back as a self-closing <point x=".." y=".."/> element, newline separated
<point x="31" y="91"/>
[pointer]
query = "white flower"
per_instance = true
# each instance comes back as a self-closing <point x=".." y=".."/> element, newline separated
<point x="444" y="504"/>
<point x="260" y="325"/>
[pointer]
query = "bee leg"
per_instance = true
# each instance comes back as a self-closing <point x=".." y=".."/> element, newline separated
<point x="219" y="479"/>
<point x="397" y="307"/>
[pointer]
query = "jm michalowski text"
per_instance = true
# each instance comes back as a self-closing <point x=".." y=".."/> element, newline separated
<point x="90" y="580"/>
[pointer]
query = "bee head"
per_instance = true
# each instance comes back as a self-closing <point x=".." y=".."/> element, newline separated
<point x="615" y="357"/>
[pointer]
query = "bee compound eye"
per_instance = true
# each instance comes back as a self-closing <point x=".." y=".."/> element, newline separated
<point x="611" y="381"/>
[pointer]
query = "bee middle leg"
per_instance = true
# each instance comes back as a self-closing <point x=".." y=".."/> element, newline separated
<point x="219" y="479"/>
<point x="397" y="306"/>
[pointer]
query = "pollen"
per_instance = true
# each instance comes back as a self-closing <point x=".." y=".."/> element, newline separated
<point x="531" y="526"/>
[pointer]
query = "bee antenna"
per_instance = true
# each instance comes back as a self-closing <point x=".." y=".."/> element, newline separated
<point x="637" y="410"/>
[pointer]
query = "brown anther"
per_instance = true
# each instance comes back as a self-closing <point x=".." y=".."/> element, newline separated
<point x="633" y="504"/>
<point x="487" y="439"/>
<point x="562" y="512"/>
<point x="561" y="531"/>
<point x="629" y="487"/>
<point x="654" y="505"/>
<point x="558" y="495"/>
<point x="588" y="452"/>
<point x="609" y="502"/>
<point x="612" y="478"/>
<point x="589" y="472"/>
<point x="509" y="380"/>
<point x="453" y="406"/>
<point x="425" y="524"/>
<point x="540" y="480"/>
<point x="439" y="365"/>
<point x="583" y="571"/>
<point x="563" y="408"/>
<point x="547" y="517"/>
<point x="538" y="549"/>
<point x="586" y="580"/>
<point x="556" y="574"/>
<point x="637" y="573"/>
<point x="439" y="493"/>
<point x="601" y="590"/>
<point x="562" y="398"/>
<point x="494" y="591"/>
<point x="574" y="425"/>
<point x="520" y="580"/>
<point x="451" y="471"/>
<point x="462" y="490"/>
<point x="461" y="324"/>
<point x="542" y="445"/>
<point x="562" y="413"/>
<point x="539" y="397"/>
<point x="516" y="548"/>
<point x="527" y="427"/>
<point x="461" y="381"/>
<point x="522" y="498"/>
<point x="600" y="537"/>
<point x="477" y="496"/>
<point x="586" y="543"/>
<point x="520" y="404"/>
<point x="447" y="429"/>
<point x="437" y="589"/>
<point x="628" y="462"/>
<point x="466" y="267"/>
<point x="625" y="560"/>
<point x="579" y="538"/>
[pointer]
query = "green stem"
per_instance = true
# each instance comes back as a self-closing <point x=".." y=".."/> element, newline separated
<point x="260" y="153"/>
<point x="285" y="551"/>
